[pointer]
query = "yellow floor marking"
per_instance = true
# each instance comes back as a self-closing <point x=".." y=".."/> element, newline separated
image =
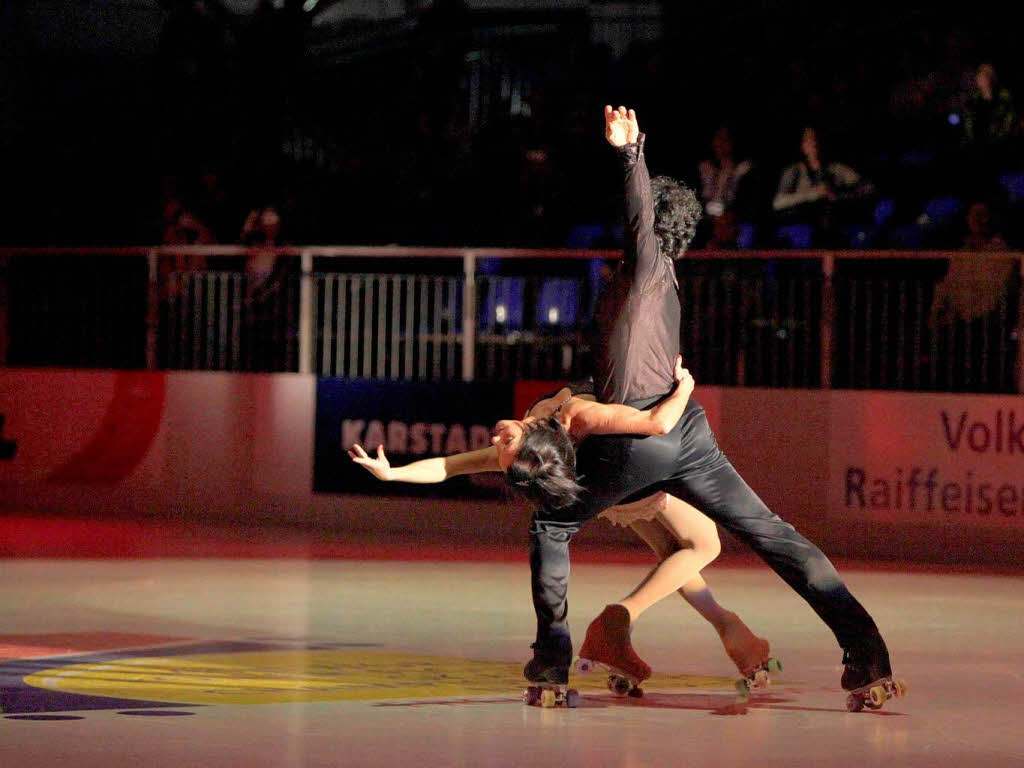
<point x="273" y="677"/>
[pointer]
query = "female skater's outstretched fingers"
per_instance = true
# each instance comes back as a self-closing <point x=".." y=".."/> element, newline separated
<point x="378" y="467"/>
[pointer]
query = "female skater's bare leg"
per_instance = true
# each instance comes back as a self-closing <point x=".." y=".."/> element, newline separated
<point x="696" y="545"/>
<point x="744" y="648"/>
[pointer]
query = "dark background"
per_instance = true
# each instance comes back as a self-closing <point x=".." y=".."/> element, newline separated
<point x="452" y="124"/>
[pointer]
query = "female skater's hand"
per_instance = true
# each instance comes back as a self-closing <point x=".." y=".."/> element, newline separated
<point x="620" y="126"/>
<point x="684" y="380"/>
<point x="378" y="467"/>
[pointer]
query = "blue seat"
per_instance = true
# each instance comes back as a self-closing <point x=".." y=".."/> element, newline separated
<point x="941" y="209"/>
<point x="558" y="302"/>
<point x="1013" y="183"/>
<point x="796" y="235"/>
<point x="585" y="235"/>
<point x="488" y="266"/>
<point x="747" y="236"/>
<point x="917" y="158"/>
<point x="884" y="210"/>
<point x="502" y="303"/>
<point x="907" y="236"/>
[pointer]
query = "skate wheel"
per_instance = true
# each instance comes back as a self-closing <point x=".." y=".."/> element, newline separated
<point x="761" y="679"/>
<point x="618" y="685"/>
<point x="583" y="666"/>
<point x="901" y="687"/>
<point x="547" y="698"/>
<point x="854" y="703"/>
<point x="636" y="693"/>
<point x="531" y="696"/>
<point x="876" y="696"/>
<point x="772" y="666"/>
<point x="572" y="698"/>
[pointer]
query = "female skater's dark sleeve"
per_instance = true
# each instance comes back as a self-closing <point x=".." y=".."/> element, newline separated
<point x="641" y="250"/>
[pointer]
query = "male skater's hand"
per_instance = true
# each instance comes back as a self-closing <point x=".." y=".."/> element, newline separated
<point x="620" y="126"/>
<point x="380" y="467"/>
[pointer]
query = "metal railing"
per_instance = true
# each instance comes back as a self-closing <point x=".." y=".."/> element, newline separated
<point x="774" y="318"/>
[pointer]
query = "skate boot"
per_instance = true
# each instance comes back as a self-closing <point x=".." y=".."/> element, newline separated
<point x="607" y="644"/>
<point x="549" y="671"/>
<point x="868" y="677"/>
<point x="751" y="655"/>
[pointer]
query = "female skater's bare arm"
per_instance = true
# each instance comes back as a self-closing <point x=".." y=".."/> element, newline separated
<point x="433" y="470"/>
<point x="590" y="418"/>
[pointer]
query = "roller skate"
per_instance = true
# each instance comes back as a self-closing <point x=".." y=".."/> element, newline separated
<point x="549" y="671"/>
<point x="607" y="645"/>
<point x="868" y="678"/>
<point x="751" y="655"/>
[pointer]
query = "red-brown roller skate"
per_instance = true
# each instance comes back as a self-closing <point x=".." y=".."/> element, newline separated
<point x="607" y="644"/>
<point x="751" y="655"/>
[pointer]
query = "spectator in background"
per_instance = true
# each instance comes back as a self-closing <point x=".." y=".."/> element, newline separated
<point x="818" y="192"/>
<point x="980" y="235"/>
<point x="725" y="232"/>
<point x="262" y="230"/>
<point x="990" y="118"/>
<point x="721" y="175"/>
<point x="974" y="312"/>
<point x="990" y="124"/>
<point x="268" y="327"/>
<point x="182" y="226"/>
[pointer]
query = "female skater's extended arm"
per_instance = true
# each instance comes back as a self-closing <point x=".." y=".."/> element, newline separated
<point x="433" y="470"/>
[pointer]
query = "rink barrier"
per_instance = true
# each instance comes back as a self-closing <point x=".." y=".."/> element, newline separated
<point x="809" y="319"/>
<point x="888" y="475"/>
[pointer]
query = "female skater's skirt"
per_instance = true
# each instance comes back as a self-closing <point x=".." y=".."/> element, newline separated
<point x="645" y="509"/>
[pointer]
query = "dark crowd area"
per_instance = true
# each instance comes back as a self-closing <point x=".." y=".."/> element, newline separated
<point x="801" y="125"/>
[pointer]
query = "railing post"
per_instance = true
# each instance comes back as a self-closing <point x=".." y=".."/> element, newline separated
<point x="468" y="315"/>
<point x="1019" y="330"/>
<point x="152" y="309"/>
<point x="828" y="313"/>
<point x="306" y="312"/>
<point x="5" y="337"/>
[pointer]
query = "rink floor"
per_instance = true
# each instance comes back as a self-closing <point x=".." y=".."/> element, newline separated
<point x="289" y="662"/>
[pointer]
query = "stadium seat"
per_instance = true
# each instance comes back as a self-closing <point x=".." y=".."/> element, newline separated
<point x="1013" y="183"/>
<point x="585" y="236"/>
<point x="501" y="304"/>
<point x="558" y="302"/>
<point x="796" y="235"/>
<point x="747" y="237"/>
<point x="939" y="210"/>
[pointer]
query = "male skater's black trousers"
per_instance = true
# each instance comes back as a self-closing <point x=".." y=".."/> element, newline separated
<point x="688" y="464"/>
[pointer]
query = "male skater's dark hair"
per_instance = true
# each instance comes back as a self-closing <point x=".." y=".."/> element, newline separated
<point x="676" y="214"/>
<point x="544" y="469"/>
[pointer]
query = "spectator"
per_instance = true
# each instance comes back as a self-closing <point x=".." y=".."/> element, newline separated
<point x="990" y="118"/>
<point x="183" y="227"/>
<point x="980" y="236"/>
<point x="721" y="175"/>
<point x="262" y="230"/>
<point x="266" y="335"/>
<point x="725" y="232"/>
<point x="818" y="192"/>
<point x="974" y="309"/>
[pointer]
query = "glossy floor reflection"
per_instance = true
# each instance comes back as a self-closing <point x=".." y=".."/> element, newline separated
<point x="367" y="662"/>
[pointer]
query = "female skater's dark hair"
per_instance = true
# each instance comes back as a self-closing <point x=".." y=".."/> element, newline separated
<point x="544" y="469"/>
<point x="676" y="214"/>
